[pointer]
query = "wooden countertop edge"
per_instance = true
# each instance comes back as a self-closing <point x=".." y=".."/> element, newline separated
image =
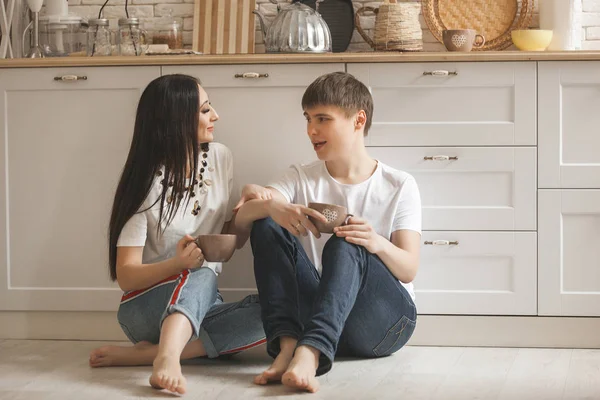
<point x="365" y="57"/>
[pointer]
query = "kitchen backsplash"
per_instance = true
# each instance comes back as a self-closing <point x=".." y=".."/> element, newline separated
<point x="152" y="12"/>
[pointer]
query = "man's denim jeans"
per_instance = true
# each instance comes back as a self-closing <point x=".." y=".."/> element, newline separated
<point x="355" y="308"/>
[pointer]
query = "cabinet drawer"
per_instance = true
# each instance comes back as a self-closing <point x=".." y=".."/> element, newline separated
<point x="483" y="104"/>
<point x="269" y="75"/>
<point x="104" y="78"/>
<point x="476" y="188"/>
<point x="487" y="273"/>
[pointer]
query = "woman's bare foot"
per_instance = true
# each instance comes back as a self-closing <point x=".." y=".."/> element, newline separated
<point x="110" y="356"/>
<point x="281" y="363"/>
<point x="166" y="374"/>
<point x="302" y="370"/>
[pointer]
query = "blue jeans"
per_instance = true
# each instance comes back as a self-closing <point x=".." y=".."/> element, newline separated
<point x="355" y="308"/>
<point x="224" y="328"/>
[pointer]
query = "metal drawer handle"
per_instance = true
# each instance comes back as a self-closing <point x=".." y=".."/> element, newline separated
<point x="251" y="75"/>
<point x="70" y="78"/>
<point x="440" y="72"/>
<point x="440" y="158"/>
<point x="441" y="243"/>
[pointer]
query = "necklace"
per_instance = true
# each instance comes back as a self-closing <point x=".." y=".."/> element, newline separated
<point x="201" y="183"/>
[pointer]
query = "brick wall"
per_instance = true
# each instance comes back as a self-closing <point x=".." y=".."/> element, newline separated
<point x="151" y="11"/>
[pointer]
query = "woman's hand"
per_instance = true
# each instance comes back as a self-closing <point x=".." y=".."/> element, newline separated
<point x="294" y="218"/>
<point x="253" y="192"/>
<point x="188" y="254"/>
<point x="360" y="232"/>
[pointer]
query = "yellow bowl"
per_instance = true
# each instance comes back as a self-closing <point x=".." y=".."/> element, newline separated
<point x="531" y="39"/>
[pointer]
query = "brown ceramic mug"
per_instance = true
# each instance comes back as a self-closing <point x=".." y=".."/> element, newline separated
<point x="217" y="248"/>
<point x="336" y="216"/>
<point x="462" y="39"/>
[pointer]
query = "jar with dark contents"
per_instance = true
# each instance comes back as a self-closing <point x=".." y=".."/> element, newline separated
<point x="169" y="33"/>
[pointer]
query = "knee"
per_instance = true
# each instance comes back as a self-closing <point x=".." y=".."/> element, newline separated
<point x="263" y="230"/>
<point x="337" y="246"/>
<point x="204" y="281"/>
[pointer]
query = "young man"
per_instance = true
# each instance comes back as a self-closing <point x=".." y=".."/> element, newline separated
<point x="350" y="293"/>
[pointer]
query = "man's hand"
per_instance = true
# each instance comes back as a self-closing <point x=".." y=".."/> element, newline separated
<point x="294" y="218"/>
<point x="359" y="231"/>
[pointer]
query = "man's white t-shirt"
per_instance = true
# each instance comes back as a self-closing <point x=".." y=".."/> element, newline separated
<point x="389" y="199"/>
<point x="216" y="208"/>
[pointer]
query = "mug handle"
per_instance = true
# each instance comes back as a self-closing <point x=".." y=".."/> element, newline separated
<point x="479" y="41"/>
<point x="144" y="42"/>
<point x="348" y="216"/>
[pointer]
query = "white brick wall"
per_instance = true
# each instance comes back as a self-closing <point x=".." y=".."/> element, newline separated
<point x="150" y="12"/>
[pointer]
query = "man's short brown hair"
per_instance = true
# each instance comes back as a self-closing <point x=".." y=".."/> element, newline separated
<point x="342" y="90"/>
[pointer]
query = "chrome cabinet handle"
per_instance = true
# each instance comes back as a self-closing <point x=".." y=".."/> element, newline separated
<point x="441" y="243"/>
<point x="440" y="72"/>
<point x="70" y="78"/>
<point x="251" y="75"/>
<point x="440" y="158"/>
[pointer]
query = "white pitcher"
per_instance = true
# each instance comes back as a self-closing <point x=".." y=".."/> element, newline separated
<point x="564" y="18"/>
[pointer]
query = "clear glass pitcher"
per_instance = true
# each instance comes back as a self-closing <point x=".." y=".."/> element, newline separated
<point x="99" y="38"/>
<point x="132" y="40"/>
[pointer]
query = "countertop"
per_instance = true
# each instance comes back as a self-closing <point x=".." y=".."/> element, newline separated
<point x="363" y="57"/>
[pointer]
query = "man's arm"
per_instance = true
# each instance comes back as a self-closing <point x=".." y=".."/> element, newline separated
<point x="400" y="255"/>
<point x="293" y="217"/>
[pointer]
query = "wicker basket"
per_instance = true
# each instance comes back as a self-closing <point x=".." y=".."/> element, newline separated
<point x="397" y="27"/>
<point x="493" y="19"/>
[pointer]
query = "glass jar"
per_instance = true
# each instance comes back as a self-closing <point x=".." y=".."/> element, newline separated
<point x="99" y="38"/>
<point x="132" y="40"/>
<point x="169" y="33"/>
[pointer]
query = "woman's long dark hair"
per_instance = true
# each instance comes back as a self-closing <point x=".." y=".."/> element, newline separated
<point x="165" y="135"/>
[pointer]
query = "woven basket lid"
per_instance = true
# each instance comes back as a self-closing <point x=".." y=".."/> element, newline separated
<point x="493" y="19"/>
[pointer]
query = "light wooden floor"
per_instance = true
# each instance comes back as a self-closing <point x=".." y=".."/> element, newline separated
<point x="31" y="370"/>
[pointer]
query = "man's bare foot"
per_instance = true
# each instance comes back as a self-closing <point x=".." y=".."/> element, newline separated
<point x="302" y="370"/>
<point x="110" y="356"/>
<point x="276" y="370"/>
<point x="166" y="374"/>
<point x="282" y="361"/>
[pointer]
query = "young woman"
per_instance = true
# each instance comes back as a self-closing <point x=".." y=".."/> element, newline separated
<point x="174" y="187"/>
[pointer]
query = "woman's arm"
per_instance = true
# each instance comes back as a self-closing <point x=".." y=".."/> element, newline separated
<point x="133" y="275"/>
<point x="247" y="213"/>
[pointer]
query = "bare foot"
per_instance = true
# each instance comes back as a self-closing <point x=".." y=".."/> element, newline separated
<point x="110" y="356"/>
<point x="302" y="370"/>
<point x="276" y="370"/>
<point x="166" y="374"/>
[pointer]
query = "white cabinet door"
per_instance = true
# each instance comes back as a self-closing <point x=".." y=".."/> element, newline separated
<point x="483" y="104"/>
<point x="569" y="252"/>
<point x="63" y="146"/>
<point x="486" y="273"/>
<point x="470" y="188"/>
<point x="262" y="123"/>
<point x="569" y="124"/>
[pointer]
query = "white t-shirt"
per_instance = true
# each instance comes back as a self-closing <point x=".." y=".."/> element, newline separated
<point x="389" y="199"/>
<point x="216" y="204"/>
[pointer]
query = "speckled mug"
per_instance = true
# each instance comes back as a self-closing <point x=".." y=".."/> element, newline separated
<point x="336" y="216"/>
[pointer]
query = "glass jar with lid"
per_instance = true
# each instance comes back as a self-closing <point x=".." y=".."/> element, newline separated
<point x="131" y="39"/>
<point x="99" y="38"/>
<point x="168" y="31"/>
